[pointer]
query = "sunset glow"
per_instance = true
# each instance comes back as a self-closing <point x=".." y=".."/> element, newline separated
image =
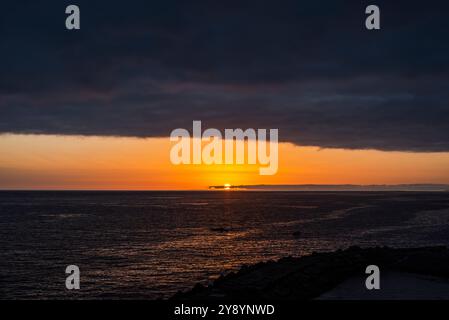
<point x="72" y="162"/>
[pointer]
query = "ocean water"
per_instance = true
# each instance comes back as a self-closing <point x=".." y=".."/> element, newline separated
<point x="149" y="245"/>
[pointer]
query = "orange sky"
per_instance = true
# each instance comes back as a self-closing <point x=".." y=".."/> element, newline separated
<point x="69" y="162"/>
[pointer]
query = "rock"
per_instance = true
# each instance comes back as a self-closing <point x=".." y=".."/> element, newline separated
<point x="220" y="229"/>
<point x="310" y="276"/>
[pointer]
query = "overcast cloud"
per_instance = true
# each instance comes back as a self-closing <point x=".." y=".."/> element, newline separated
<point x="309" y="68"/>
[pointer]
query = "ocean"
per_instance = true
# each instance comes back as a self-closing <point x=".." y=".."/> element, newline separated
<point x="149" y="245"/>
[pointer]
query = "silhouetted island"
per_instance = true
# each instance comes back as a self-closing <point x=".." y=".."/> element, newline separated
<point x="311" y="276"/>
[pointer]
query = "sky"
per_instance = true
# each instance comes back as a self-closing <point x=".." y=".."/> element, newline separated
<point x="111" y="163"/>
<point x="92" y="108"/>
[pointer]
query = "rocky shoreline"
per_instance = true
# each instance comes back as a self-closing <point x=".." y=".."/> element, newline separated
<point x="310" y="276"/>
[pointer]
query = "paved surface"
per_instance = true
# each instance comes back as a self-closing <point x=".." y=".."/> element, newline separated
<point x="393" y="286"/>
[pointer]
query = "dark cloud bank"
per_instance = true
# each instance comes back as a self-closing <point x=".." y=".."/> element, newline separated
<point x="309" y="68"/>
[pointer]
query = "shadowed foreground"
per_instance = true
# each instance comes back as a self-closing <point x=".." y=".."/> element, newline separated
<point x="312" y="276"/>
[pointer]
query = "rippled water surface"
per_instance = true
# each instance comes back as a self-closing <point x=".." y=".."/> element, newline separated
<point x="148" y="245"/>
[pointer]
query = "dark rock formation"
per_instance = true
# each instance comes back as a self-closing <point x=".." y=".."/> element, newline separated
<point x="220" y="229"/>
<point x="297" y="234"/>
<point x="310" y="276"/>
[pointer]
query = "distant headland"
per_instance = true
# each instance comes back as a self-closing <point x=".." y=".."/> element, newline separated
<point x="336" y="187"/>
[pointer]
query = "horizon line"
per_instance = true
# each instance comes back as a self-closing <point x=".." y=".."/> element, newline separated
<point x="271" y="187"/>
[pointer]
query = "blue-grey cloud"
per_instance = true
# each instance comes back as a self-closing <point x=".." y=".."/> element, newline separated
<point x="309" y="68"/>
